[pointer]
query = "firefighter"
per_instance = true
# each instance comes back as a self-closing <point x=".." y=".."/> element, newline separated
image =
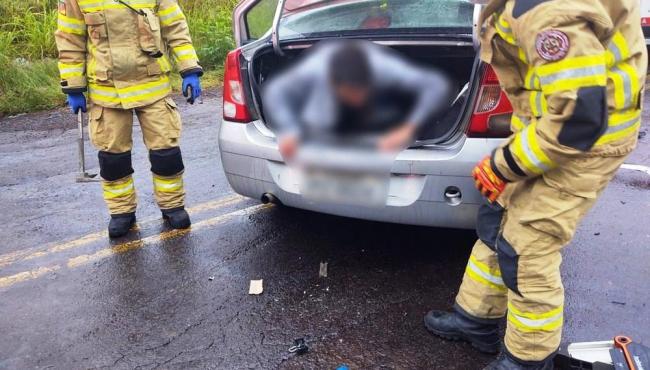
<point x="117" y="52"/>
<point x="574" y="72"/>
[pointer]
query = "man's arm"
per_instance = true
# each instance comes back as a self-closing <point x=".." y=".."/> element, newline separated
<point x="431" y="88"/>
<point x="70" y="39"/>
<point x="284" y="97"/>
<point x="176" y="35"/>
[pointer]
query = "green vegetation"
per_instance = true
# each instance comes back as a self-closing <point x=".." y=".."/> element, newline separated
<point x="260" y="18"/>
<point x="28" y="74"/>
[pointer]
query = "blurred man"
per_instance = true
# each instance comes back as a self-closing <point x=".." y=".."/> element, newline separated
<point x="575" y="73"/>
<point x="348" y="88"/>
<point x="117" y="51"/>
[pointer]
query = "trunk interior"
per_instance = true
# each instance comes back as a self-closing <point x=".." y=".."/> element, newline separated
<point x="457" y="61"/>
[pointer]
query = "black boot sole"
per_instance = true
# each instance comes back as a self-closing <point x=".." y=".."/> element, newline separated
<point x="490" y="348"/>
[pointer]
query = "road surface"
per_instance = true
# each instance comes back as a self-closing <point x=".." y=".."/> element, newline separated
<point x="72" y="299"/>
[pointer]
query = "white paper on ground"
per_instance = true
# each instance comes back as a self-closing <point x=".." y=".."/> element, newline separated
<point x="636" y="167"/>
<point x="322" y="272"/>
<point x="256" y="287"/>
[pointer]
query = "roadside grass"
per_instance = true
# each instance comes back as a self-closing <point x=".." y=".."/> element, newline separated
<point x="29" y="78"/>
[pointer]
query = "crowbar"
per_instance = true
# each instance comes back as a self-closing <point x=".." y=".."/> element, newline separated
<point x="83" y="175"/>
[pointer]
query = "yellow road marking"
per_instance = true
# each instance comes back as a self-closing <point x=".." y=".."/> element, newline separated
<point x="128" y="246"/>
<point x="31" y="253"/>
<point x="26" y="275"/>
<point x="153" y="239"/>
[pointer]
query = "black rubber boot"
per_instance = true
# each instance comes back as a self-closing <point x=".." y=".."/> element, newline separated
<point x="508" y="362"/>
<point x="483" y="336"/>
<point x="177" y="217"/>
<point x="120" y="224"/>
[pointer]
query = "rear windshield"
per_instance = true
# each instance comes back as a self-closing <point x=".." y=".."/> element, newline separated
<point x="313" y="18"/>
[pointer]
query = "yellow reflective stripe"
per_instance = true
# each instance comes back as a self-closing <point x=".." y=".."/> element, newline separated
<point x="522" y="55"/>
<point x="621" y="125"/>
<point x="71" y="20"/>
<point x="184" y="52"/>
<point x="112" y="191"/>
<point x="106" y="94"/>
<point x="575" y="83"/>
<point x="530" y="322"/>
<point x="570" y="63"/>
<point x="168" y="11"/>
<point x="538" y="103"/>
<point x="173" y="19"/>
<point x="618" y="48"/>
<point x="167" y="185"/>
<point x="481" y="273"/>
<point x="573" y="73"/>
<point x="504" y="30"/>
<point x="170" y="15"/>
<point x="71" y="70"/>
<point x="163" y="62"/>
<point x="526" y="148"/>
<point x="626" y="85"/>
<point x="623" y="76"/>
<point x="532" y="80"/>
<point x="99" y="5"/>
<point x="71" y="25"/>
<point x="618" y="80"/>
<point x="519" y="123"/>
<point x="130" y="94"/>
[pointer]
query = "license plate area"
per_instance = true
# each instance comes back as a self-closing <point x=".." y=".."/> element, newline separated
<point x="345" y="188"/>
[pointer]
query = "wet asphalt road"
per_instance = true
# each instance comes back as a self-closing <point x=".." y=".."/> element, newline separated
<point x="70" y="299"/>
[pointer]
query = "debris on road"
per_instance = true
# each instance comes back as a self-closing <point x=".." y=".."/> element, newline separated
<point x="299" y="347"/>
<point x="211" y="278"/>
<point x="636" y="167"/>
<point x="322" y="272"/>
<point x="256" y="287"/>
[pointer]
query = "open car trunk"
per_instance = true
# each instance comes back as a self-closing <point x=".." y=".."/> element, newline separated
<point x="458" y="61"/>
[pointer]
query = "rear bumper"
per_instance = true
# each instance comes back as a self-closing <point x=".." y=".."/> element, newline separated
<point x="419" y="185"/>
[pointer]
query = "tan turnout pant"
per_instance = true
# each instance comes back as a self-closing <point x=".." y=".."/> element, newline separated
<point x="514" y="268"/>
<point x="111" y="132"/>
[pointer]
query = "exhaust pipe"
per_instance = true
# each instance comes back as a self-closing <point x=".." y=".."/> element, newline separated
<point x="269" y="198"/>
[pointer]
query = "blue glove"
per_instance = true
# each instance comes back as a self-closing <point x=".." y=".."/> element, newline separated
<point x="191" y="87"/>
<point x="77" y="101"/>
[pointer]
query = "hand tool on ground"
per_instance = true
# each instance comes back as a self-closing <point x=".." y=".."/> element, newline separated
<point x="83" y="175"/>
<point x="618" y="354"/>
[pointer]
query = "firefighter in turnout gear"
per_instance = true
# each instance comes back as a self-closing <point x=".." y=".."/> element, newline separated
<point x="118" y="52"/>
<point x="574" y="71"/>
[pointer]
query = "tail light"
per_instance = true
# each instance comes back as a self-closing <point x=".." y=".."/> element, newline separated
<point x="234" y="99"/>
<point x="492" y="113"/>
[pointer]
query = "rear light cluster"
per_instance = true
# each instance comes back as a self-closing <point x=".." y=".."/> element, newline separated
<point x="234" y="101"/>
<point x="492" y="113"/>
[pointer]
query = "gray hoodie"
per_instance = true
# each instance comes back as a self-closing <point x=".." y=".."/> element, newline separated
<point x="302" y="97"/>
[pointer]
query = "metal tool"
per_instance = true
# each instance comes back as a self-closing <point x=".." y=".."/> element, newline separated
<point x="189" y="93"/>
<point x="618" y="354"/>
<point x="83" y="175"/>
<point x="299" y="347"/>
<point x="621" y="342"/>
